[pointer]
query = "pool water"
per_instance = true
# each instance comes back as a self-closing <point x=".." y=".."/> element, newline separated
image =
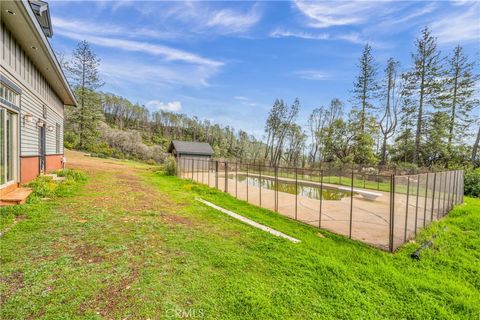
<point x="327" y="193"/>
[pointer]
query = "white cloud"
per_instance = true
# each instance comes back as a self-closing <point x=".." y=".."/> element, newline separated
<point x="138" y="73"/>
<point x="282" y="33"/>
<point x="173" y="106"/>
<point x="198" y="17"/>
<point x="338" y="13"/>
<point x="352" y="37"/>
<point x="106" y="29"/>
<point x="233" y="21"/>
<point x="241" y="98"/>
<point x="170" y="54"/>
<point x="459" y="27"/>
<point x="313" y="75"/>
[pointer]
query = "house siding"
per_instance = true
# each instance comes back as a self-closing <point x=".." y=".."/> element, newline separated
<point x="17" y="67"/>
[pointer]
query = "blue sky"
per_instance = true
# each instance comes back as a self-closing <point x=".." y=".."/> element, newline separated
<point x="228" y="61"/>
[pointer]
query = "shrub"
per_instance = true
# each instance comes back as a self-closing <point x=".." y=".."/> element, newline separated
<point x="170" y="166"/>
<point x="70" y="140"/>
<point x="43" y="187"/>
<point x="73" y="174"/>
<point x="472" y="183"/>
<point x="128" y="144"/>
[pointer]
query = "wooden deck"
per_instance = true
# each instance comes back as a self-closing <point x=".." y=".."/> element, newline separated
<point x="13" y="197"/>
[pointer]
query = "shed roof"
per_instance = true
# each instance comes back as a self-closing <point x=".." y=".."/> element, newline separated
<point x="189" y="147"/>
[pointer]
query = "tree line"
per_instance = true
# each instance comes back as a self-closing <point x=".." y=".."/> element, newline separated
<point x="422" y="115"/>
<point x="111" y="125"/>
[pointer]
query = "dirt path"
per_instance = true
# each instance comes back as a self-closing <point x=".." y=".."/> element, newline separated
<point x="118" y="185"/>
<point x="109" y="212"/>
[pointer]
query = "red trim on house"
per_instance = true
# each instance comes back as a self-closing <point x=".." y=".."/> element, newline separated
<point x="53" y="162"/>
<point x="29" y="166"/>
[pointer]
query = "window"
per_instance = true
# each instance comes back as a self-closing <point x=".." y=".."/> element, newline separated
<point x="57" y="139"/>
<point x="8" y="94"/>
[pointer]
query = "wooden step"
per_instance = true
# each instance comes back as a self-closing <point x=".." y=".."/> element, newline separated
<point x="17" y="196"/>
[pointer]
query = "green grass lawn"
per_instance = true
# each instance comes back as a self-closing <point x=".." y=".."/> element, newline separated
<point x="107" y="251"/>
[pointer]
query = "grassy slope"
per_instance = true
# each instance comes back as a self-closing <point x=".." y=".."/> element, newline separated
<point x="221" y="268"/>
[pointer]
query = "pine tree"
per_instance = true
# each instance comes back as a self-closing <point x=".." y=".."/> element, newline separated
<point x="459" y="95"/>
<point x="424" y="83"/>
<point x="84" y="77"/>
<point x="434" y="149"/>
<point x="365" y="87"/>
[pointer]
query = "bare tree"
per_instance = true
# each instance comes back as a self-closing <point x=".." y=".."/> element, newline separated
<point x="388" y="122"/>
<point x="316" y="124"/>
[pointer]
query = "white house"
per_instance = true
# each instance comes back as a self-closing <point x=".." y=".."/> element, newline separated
<point x="33" y="93"/>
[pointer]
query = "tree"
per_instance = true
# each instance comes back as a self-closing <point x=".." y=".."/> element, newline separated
<point x="294" y="145"/>
<point x="459" y="95"/>
<point x="434" y="149"/>
<point x="84" y="77"/>
<point x="334" y="112"/>
<point x="278" y="124"/>
<point x="316" y="124"/>
<point x="365" y="87"/>
<point x="475" y="147"/>
<point x="339" y="140"/>
<point x="388" y="122"/>
<point x="424" y="82"/>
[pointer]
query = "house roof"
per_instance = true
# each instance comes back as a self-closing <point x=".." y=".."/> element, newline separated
<point x="22" y="22"/>
<point x="189" y="147"/>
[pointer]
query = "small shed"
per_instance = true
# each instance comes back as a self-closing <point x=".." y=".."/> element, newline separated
<point x="189" y="149"/>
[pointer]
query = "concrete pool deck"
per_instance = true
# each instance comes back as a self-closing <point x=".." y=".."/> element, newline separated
<point x="370" y="218"/>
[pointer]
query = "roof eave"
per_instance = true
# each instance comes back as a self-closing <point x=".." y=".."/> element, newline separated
<point x="51" y="55"/>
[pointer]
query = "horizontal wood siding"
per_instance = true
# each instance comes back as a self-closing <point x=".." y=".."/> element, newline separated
<point x="36" y="92"/>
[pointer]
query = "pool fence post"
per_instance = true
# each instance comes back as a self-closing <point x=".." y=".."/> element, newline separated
<point x="275" y="189"/>
<point x="406" y="210"/>
<point x="260" y="183"/>
<point x="247" y="181"/>
<point x="416" y="204"/>
<point x="236" y="179"/>
<point x="226" y="176"/>
<point x="321" y="196"/>
<point x="447" y="190"/>
<point x="454" y="200"/>
<point x="444" y="193"/>
<point x="392" y="211"/>
<point x="425" y="205"/>
<point x="439" y="194"/>
<point x="433" y="195"/>
<point x="216" y="174"/>
<point x="296" y="192"/>
<point x="351" y="205"/>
